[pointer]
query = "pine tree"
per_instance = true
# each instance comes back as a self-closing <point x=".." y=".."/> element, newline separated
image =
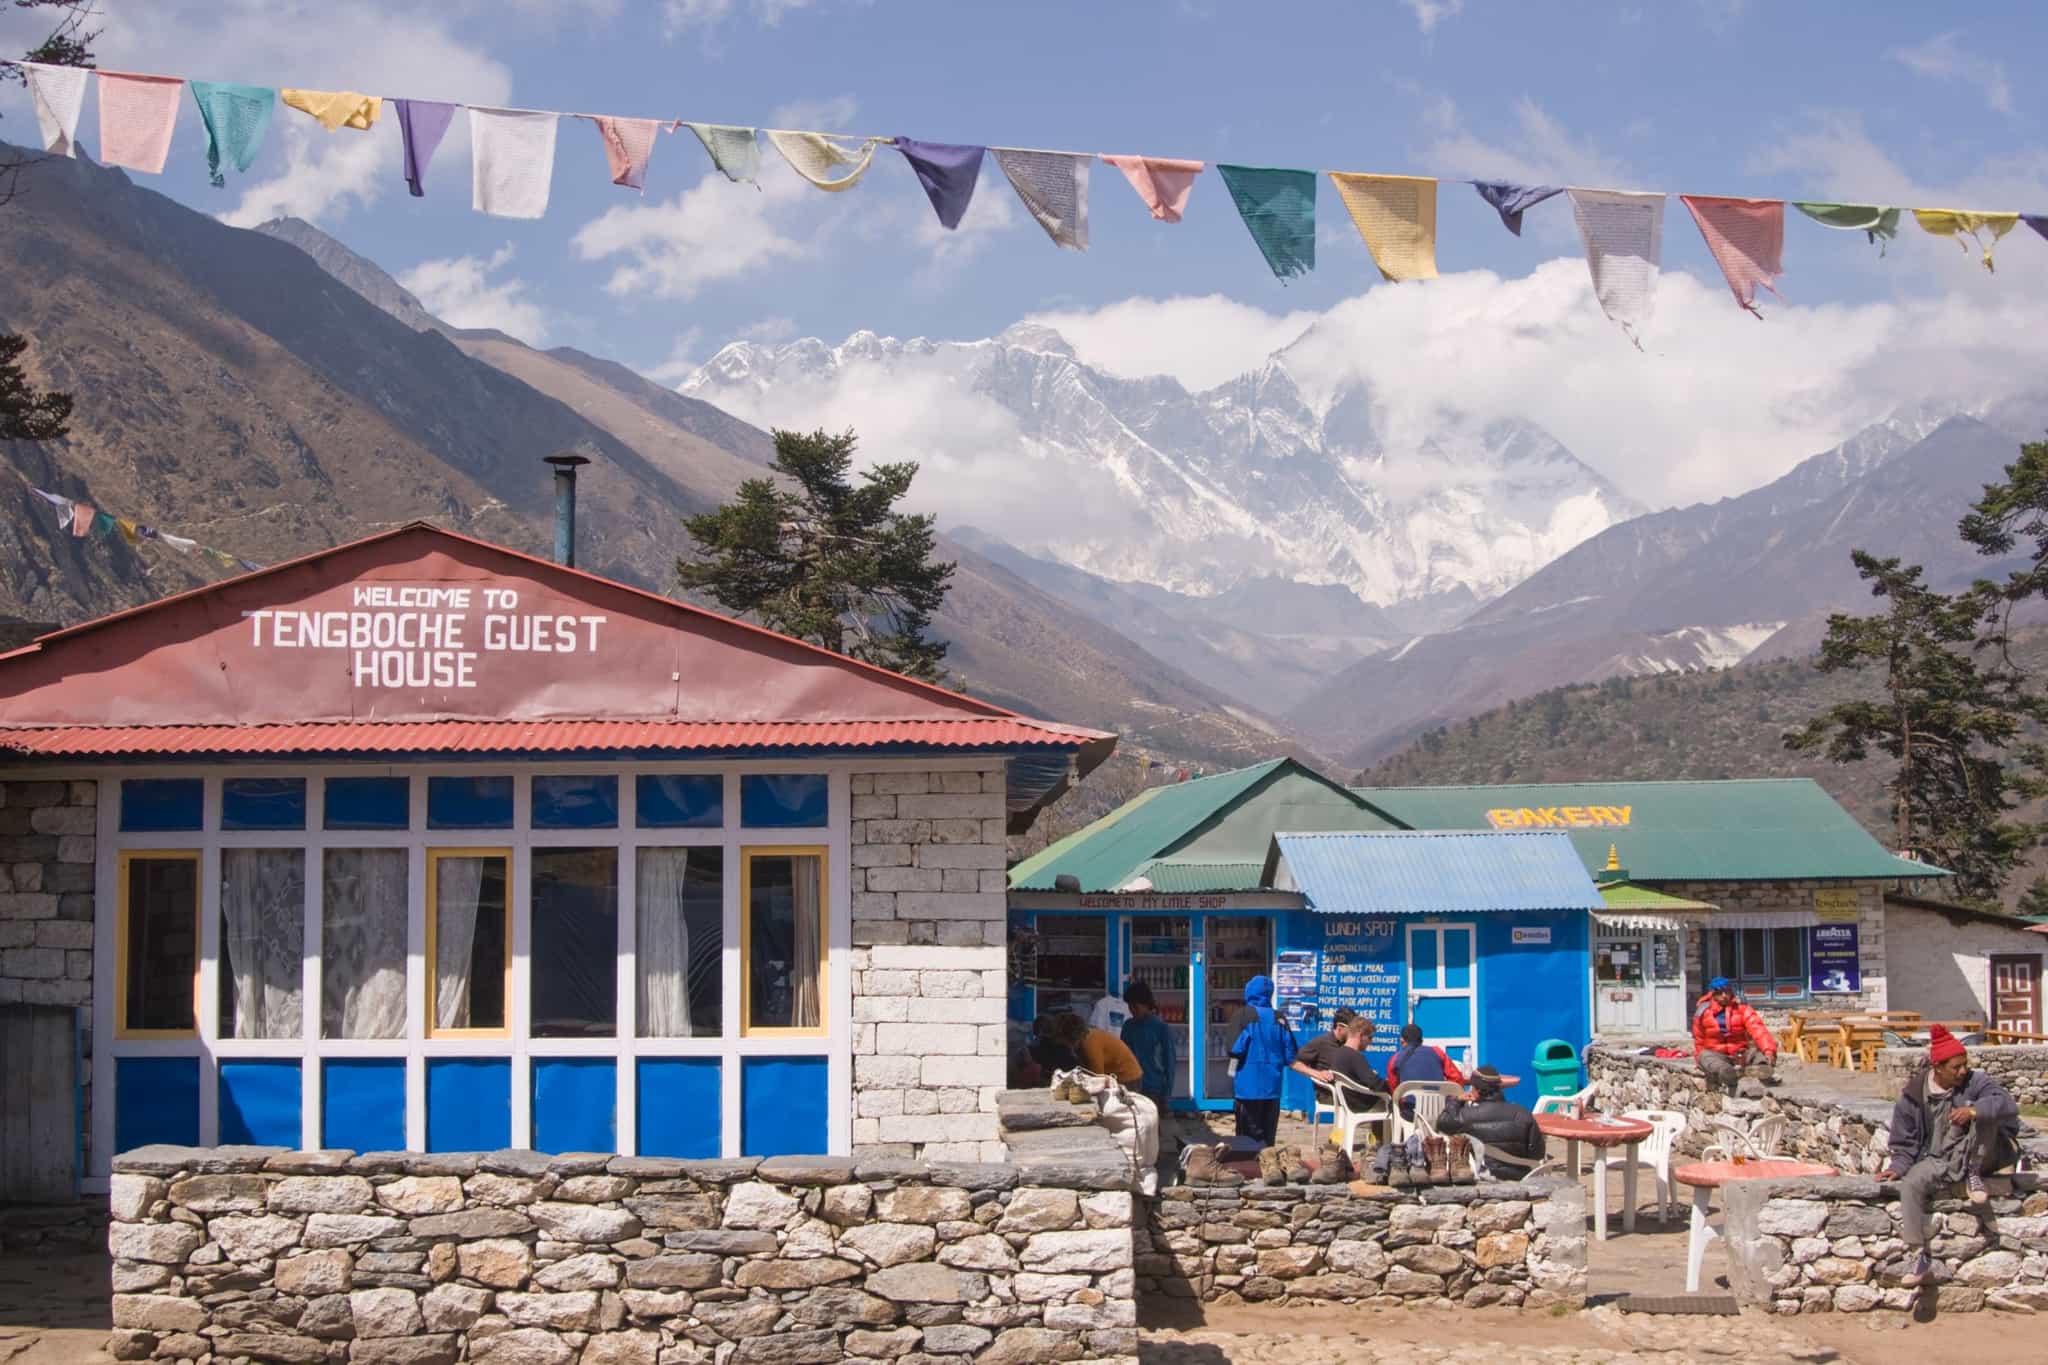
<point x="817" y="556"/>
<point x="1947" y="722"/>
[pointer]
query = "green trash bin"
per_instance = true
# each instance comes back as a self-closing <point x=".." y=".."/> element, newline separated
<point x="1557" y="1067"/>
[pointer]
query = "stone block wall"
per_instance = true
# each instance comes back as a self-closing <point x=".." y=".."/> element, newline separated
<point x="48" y="838"/>
<point x="1507" y="1245"/>
<point x="519" y="1258"/>
<point x="1788" y="895"/>
<point x="1816" y="1246"/>
<point x="2021" y="1070"/>
<point x="930" y="902"/>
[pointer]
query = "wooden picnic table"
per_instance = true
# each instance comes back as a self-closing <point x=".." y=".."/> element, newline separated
<point x="1602" y="1133"/>
<point x="1707" y="1176"/>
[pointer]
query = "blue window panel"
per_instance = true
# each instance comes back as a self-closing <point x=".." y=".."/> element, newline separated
<point x="469" y="803"/>
<point x="784" y="800"/>
<point x="1422" y="960"/>
<point x="263" y="803"/>
<point x="1458" y="959"/>
<point x="156" y="1099"/>
<point x="574" y="802"/>
<point x="1441" y="1017"/>
<point x="151" y="804"/>
<point x="678" y="1106"/>
<point x="368" y="803"/>
<point x="678" y="801"/>
<point x="575" y="1104"/>
<point x="362" y="1103"/>
<point x="260" y="1102"/>
<point x="783" y="1106"/>
<point x="469" y="1104"/>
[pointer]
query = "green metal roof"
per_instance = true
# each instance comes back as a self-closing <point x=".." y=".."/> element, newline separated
<point x="1145" y="831"/>
<point x="1769" y="829"/>
<point x="1629" y="896"/>
<point x="1170" y="878"/>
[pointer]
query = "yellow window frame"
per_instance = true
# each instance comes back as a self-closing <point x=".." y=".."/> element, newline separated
<point x="433" y="901"/>
<point x="128" y="858"/>
<point x="747" y="855"/>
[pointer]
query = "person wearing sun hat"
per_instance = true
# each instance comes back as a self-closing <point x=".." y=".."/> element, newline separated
<point x="1950" y="1125"/>
<point x="1725" y="1030"/>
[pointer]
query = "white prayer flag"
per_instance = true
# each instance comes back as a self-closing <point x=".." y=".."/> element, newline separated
<point x="1624" y="236"/>
<point x="1054" y="188"/>
<point x="59" y="95"/>
<point x="816" y="156"/>
<point x="513" y="151"/>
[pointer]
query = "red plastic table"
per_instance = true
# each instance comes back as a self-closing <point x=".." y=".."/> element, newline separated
<point x="1601" y="1133"/>
<point x="1707" y="1176"/>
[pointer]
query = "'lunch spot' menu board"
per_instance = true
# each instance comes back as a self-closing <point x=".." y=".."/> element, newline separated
<point x="1362" y="971"/>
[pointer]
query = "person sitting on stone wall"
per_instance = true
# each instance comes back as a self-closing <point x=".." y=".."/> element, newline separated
<point x="1726" y="1032"/>
<point x="1951" y="1124"/>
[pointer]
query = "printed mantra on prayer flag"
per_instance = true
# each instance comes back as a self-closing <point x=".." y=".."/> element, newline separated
<point x="434" y="637"/>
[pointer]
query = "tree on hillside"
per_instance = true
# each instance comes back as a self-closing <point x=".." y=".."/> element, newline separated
<point x="1947" y="723"/>
<point x="26" y="415"/>
<point x="820" y="557"/>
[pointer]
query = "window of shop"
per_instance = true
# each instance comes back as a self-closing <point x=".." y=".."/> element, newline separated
<point x="1765" y="963"/>
<point x="262" y="942"/>
<point x="158" y="944"/>
<point x="362" y="943"/>
<point x="469" y="943"/>
<point x="680" y="941"/>
<point x="782" y="950"/>
<point x="575" y="942"/>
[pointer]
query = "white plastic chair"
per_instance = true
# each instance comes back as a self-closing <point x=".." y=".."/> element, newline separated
<point x="1571" y="1106"/>
<point x="1505" y="1165"/>
<point x="1355" y="1107"/>
<point x="1429" y="1097"/>
<point x="1757" y="1140"/>
<point x="1654" y="1152"/>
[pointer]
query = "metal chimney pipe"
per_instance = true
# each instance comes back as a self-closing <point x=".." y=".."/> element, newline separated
<point x="565" y="465"/>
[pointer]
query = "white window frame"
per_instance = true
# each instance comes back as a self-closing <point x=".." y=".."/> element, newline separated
<point x="731" y="1047"/>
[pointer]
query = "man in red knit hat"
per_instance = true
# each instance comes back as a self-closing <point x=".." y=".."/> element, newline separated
<point x="1950" y="1125"/>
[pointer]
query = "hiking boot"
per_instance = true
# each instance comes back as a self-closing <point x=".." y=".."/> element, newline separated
<point x="1203" y="1165"/>
<point x="1293" y="1165"/>
<point x="1271" y="1172"/>
<point x="1395" y="1165"/>
<point x="1461" y="1162"/>
<point x="1437" y="1153"/>
<point x="1335" y="1170"/>
<point x="1975" y="1183"/>
<point x="1921" y="1273"/>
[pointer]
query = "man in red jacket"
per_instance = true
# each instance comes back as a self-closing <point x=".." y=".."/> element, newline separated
<point x="1725" y="1031"/>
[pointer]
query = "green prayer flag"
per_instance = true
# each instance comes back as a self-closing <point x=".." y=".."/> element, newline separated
<point x="1878" y="223"/>
<point x="1279" y="210"/>
<point x="236" y="117"/>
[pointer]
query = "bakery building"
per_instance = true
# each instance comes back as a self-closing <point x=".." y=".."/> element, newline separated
<point x="422" y="843"/>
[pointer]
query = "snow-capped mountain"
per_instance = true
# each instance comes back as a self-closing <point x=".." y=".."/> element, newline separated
<point x="1143" y="482"/>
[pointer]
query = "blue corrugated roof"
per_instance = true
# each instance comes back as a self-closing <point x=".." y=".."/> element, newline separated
<point x="1414" y="872"/>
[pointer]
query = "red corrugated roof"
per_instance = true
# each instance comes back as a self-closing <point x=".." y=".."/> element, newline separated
<point x="528" y="737"/>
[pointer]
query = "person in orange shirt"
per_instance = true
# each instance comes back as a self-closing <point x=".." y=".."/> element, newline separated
<point x="1100" y="1051"/>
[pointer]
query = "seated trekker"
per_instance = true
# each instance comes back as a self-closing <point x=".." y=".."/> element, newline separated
<point x="1726" y="1033"/>
<point x="1415" y="1061"/>
<point x="1485" y="1112"/>
<point x="1099" y="1051"/>
<point x="1341" y="1052"/>
<point x="1951" y="1125"/>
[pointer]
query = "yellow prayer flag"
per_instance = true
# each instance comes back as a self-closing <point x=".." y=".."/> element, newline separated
<point x="335" y="108"/>
<point x="1961" y="223"/>
<point x="129" y="532"/>
<point x="1396" y="214"/>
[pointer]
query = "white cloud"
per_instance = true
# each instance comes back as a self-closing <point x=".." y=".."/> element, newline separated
<point x="713" y="231"/>
<point x="682" y="360"/>
<point x="1539" y="151"/>
<point x="325" y="173"/>
<point x="833" y="114"/>
<point x="769" y="330"/>
<point x="463" y="292"/>
<point x="1202" y="342"/>
<point x="1429" y="13"/>
<point x="1943" y="58"/>
<point x="707" y="16"/>
<point x="947" y="251"/>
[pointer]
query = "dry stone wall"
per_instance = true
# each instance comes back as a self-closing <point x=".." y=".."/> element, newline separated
<point x="520" y="1258"/>
<point x="2021" y="1070"/>
<point x="930" y="900"/>
<point x="1817" y="1246"/>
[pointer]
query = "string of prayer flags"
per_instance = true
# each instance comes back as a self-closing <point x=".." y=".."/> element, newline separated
<point x="1163" y="183"/>
<point x="1623" y="232"/>
<point x="421" y="124"/>
<point x="137" y="116"/>
<point x="1961" y="223"/>
<point x="735" y="151"/>
<point x="336" y="109"/>
<point x="628" y="146"/>
<point x="948" y="171"/>
<point x="81" y="519"/>
<point x="817" y="157"/>
<point x="1878" y="223"/>
<point x="512" y="153"/>
<point x="59" y="96"/>
<point x="1396" y="215"/>
<point x="1279" y="210"/>
<point x="1511" y="201"/>
<point x="236" y="117"/>
<point x="1054" y="189"/>
<point x="1747" y="239"/>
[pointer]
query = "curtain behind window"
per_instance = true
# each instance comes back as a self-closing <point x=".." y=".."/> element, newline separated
<point x="663" y="939"/>
<point x="459" y="887"/>
<point x="263" y="935"/>
<point x="362" y="943"/>
<point x="804" y="1009"/>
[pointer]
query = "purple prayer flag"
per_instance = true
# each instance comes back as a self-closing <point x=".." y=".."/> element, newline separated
<point x="422" y="123"/>
<point x="2037" y="221"/>
<point x="1512" y="200"/>
<point x="948" y="172"/>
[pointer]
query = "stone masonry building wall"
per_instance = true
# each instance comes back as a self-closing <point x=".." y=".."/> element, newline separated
<point x="930" y="1048"/>
<point x="47" y="842"/>
<point x="519" y="1258"/>
<point x="1795" y="896"/>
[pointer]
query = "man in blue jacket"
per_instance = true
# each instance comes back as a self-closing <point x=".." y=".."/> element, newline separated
<point x="1263" y="1050"/>
<point x="1950" y="1126"/>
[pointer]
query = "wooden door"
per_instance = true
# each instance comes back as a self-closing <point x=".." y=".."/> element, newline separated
<point x="2016" y="991"/>
<point x="38" y="1104"/>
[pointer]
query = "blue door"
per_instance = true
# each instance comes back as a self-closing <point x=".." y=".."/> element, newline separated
<point x="1443" y="989"/>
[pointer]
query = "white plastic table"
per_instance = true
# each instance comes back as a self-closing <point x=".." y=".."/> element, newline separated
<point x="1602" y="1134"/>
<point x="1707" y="1176"/>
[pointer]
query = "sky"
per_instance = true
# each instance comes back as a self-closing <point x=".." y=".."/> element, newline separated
<point x="1893" y="102"/>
